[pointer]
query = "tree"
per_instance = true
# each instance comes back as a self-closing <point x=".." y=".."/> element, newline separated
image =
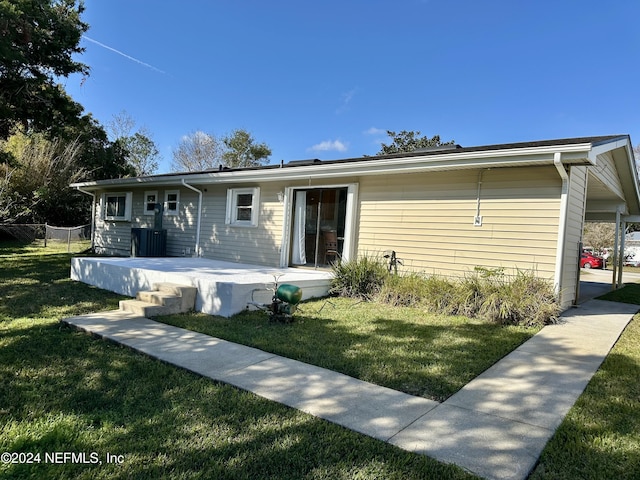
<point x="141" y="153"/>
<point x="242" y="151"/>
<point x="599" y="235"/>
<point x="36" y="189"/>
<point x="37" y="42"/>
<point x="140" y="150"/>
<point x="100" y="158"/>
<point x="197" y="152"/>
<point x="408" y="141"/>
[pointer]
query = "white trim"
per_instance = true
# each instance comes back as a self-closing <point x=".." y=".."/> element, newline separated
<point x="350" y="230"/>
<point x="231" y="216"/>
<point x="491" y="158"/>
<point x="286" y="227"/>
<point x="171" y="211"/>
<point x="145" y="203"/>
<point x="348" y="248"/>
<point x="562" y="224"/>
<point x="127" y="207"/>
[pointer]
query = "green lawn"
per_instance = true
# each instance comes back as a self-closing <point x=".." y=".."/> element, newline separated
<point x="402" y="348"/>
<point x="64" y="391"/>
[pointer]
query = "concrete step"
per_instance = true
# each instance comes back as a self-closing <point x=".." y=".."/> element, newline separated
<point x="143" y="309"/>
<point x="160" y="298"/>
<point x="164" y="299"/>
<point x="186" y="293"/>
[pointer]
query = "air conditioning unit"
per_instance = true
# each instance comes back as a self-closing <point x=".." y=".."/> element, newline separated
<point x="148" y="242"/>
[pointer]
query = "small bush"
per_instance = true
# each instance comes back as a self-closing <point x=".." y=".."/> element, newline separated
<point x="359" y="278"/>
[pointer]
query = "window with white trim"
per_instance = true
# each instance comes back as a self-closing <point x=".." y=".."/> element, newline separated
<point x="243" y="206"/>
<point x="150" y="200"/>
<point x="117" y="206"/>
<point x="171" y="202"/>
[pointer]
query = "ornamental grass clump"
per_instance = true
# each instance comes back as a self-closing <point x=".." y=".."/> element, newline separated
<point x="360" y="278"/>
<point x="404" y="290"/>
<point x="523" y="299"/>
<point x="520" y="299"/>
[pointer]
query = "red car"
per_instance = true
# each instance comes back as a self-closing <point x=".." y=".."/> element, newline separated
<point x="588" y="260"/>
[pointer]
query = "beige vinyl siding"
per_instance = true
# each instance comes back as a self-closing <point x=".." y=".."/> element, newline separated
<point x="428" y="219"/>
<point x="573" y="235"/>
<point x="256" y="245"/>
<point x="605" y="170"/>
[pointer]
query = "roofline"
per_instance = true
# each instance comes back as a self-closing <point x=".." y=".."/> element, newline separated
<point x="574" y="151"/>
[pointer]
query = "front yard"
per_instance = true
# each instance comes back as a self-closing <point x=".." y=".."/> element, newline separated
<point x="63" y="391"/>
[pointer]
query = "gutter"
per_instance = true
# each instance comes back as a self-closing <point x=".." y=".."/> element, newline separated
<point x="93" y="213"/>
<point x="199" y="192"/>
<point x="562" y="227"/>
<point x="335" y="169"/>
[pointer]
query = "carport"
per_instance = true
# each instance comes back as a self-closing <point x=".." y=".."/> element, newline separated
<point x="612" y="196"/>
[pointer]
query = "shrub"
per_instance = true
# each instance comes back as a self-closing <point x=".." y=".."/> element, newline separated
<point x="359" y="278"/>
<point x="523" y="299"/>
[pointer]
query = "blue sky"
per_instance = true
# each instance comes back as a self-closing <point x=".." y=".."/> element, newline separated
<point x="326" y="79"/>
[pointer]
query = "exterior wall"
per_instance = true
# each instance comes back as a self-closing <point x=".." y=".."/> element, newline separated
<point x="113" y="237"/>
<point x="258" y="245"/>
<point x="428" y="219"/>
<point x="576" y="198"/>
<point x="110" y="237"/>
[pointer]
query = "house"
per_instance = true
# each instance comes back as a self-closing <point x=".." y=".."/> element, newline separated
<point x="443" y="211"/>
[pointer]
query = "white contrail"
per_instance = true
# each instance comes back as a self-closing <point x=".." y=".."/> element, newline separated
<point x="123" y="54"/>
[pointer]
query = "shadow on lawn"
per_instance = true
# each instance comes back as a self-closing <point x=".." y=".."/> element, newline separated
<point x="602" y="429"/>
<point x="66" y="392"/>
<point x="433" y="360"/>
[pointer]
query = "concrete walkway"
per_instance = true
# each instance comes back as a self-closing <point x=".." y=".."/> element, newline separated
<point x="495" y="427"/>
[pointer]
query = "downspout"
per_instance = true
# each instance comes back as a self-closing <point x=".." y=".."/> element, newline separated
<point x="562" y="227"/>
<point x="93" y="213"/>
<point x="196" y="252"/>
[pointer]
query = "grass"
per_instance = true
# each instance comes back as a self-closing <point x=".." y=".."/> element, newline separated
<point x="398" y="347"/>
<point x="61" y="390"/>
<point x="600" y="436"/>
<point x="64" y="391"/>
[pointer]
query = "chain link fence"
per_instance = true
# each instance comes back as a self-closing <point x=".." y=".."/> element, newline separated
<point x="75" y="239"/>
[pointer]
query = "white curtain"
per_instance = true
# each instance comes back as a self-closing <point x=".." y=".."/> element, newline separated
<point x="299" y="256"/>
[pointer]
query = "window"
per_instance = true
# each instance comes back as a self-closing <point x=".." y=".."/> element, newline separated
<point x="150" y="200"/>
<point x="117" y="206"/>
<point x="171" y="202"/>
<point x="242" y="206"/>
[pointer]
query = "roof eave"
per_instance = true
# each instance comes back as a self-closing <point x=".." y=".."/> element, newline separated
<point x="572" y="154"/>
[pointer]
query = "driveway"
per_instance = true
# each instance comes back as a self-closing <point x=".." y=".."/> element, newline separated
<point x="594" y="283"/>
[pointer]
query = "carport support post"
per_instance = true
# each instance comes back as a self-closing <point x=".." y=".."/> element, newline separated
<point x="617" y="252"/>
<point x="623" y="231"/>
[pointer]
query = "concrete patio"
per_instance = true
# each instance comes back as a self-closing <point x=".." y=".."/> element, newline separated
<point x="224" y="288"/>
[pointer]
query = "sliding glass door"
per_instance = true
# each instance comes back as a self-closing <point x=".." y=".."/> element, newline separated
<point x="318" y="227"/>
